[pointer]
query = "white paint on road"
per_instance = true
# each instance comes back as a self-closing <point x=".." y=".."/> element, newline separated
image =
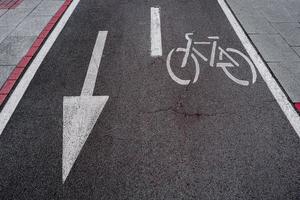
<point x="94" y="65"/>
<point x="156" y="45"/>
<point x="275" y="89"/>
<point x="80" y="113"/>
<point x="191" y="51"/>
<point x="19" y="91"/>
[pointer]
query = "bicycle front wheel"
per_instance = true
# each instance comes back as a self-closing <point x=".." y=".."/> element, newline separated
<point x="233" y="63"/>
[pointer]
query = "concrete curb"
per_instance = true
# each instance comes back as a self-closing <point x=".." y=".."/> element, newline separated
<point x="19" y="70"/>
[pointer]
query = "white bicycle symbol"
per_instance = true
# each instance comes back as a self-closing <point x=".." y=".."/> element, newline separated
<point x="223" y="65"/>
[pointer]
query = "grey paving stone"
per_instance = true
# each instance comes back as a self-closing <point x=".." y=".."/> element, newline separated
<point x="297" y="49"/>
<point x="242" y="7"/>
<point x="13" y="17"/>
<point x="266" y="3"/>
<point x="276" y="12"/>
<point x="2" y="11"/>
<point x="294" y="68"/>
<point x="36" y="24"/>
<point x="293" y="6"/>
<point x="273" y="48"/>
<point x="47" y="8"/>
<point x="29" y="4"/>
<point x="290" y="32"/>
<point x="287" y="81"/>
<point x="4" y="32"/>
<point x="4" y="73"/>
<point x="12" y="49"/>
<point x="256" y="24"/>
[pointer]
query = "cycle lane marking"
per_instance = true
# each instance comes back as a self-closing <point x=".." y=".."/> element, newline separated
<point x="273" y="86"/>
<point x="191" y="51"/>
<point x="21" y="88"/>
<point x="80" y="113"/>
<point x="156" y="45"/>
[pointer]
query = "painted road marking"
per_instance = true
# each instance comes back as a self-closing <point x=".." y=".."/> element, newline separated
<point x="191" y="51"/>
<point x="18" y="93"/>
<point x="80" y="113"/>
<point x="275" y="89"/>
<point x="90" y="80"/>
<point x="156" y="46"/>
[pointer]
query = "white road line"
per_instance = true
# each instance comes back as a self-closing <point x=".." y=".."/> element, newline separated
<point x="90" y="80"/>
<point x="156" y="46"/>
<point x="18" y="93"/>
<point x="275" y="89"/>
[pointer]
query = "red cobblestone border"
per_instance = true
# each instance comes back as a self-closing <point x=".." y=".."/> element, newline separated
<point x="11" y="4"/>
<point x="17" y="73"/>
<point x="297" y="106"/>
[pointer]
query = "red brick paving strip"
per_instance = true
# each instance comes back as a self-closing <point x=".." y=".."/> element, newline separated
<point x="9" y="4"/>
<point x="297" y="106"/>
<point x="16" y="74"/>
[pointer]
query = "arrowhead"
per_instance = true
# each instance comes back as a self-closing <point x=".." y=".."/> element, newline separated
<point x="79" y="117"/>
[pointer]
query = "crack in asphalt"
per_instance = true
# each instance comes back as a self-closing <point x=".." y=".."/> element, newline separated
<point x="185" y="113"/>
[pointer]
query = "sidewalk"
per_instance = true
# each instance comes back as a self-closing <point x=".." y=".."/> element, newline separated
<point x="274" y="28"/>
<point x="24" y="25"/>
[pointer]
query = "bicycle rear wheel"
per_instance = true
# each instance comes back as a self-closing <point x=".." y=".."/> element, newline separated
<point x="176" y="78"/>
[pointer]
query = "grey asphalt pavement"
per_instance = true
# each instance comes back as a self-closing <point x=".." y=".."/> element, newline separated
<point x="155" y="139"/>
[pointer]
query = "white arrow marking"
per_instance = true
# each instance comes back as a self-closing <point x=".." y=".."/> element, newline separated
<point x="81" y="113"/>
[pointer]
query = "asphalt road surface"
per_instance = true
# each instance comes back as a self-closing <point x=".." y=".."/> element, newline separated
<point x="155" y="138"/>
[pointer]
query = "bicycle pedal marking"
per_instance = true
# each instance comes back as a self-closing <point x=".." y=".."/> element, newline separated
<point x="214" y="61"/>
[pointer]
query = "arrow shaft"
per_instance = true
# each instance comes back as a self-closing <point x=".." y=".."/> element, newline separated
<point x="91" y="76"/>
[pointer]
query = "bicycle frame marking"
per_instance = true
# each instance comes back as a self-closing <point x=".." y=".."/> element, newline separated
<point x="191" y="51"/>
<point x="213" y="51"/>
